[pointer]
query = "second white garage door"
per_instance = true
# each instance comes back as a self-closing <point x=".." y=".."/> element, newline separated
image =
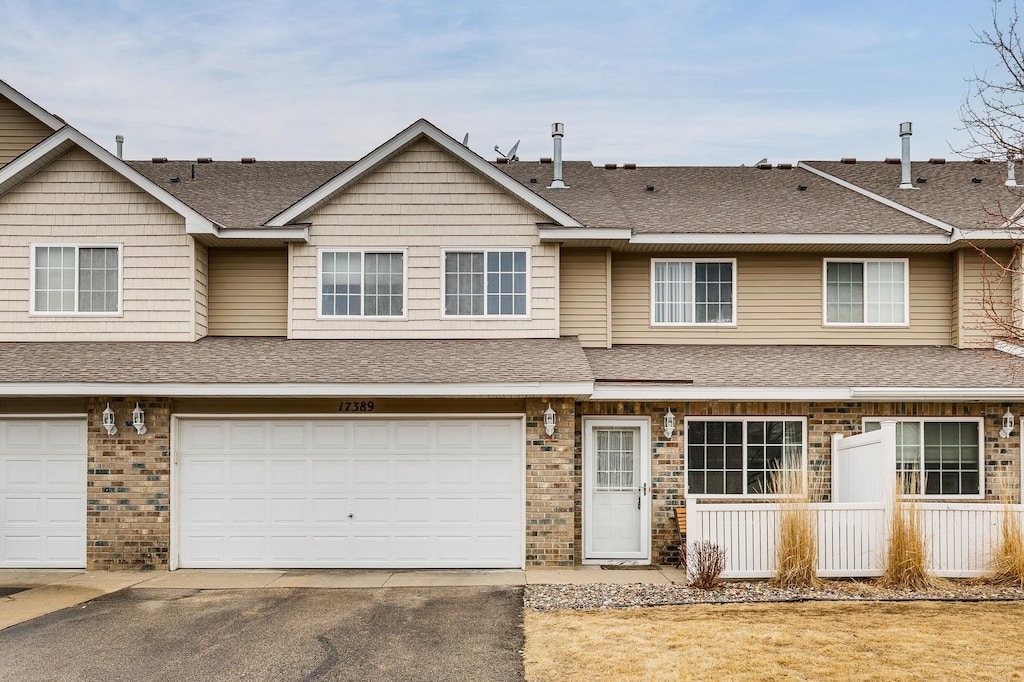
<point x="369" y="493"/>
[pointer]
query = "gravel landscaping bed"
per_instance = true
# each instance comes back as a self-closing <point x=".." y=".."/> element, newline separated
<point x="635" y="595"/>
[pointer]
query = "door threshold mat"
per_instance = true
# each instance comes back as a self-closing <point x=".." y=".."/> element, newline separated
<point x="627" y="567"/>
<point x="8" y="591"/>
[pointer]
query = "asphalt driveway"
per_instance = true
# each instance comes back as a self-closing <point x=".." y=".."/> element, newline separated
<point x="412" y="633"/>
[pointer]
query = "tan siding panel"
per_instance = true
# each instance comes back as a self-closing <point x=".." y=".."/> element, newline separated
<point x="424" y="200"/>
<point x="584" y="291"/>
<point x="78" y="200"/>
<point x="19" y="131"/>
<point x="779" y="300"/>
<point x="202" y="289"/>
<point x="248" y="292"/>
<point x="986" y="297"/>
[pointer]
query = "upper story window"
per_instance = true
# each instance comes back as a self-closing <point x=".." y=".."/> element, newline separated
<point x="944" y="455"/>
<point x="870" y="292"/>
<point x="362" y="283"/>
<point x="740" y="456"/>
<point x="76" y="279"/>
<point x="486" y="283"/>
<point x="694" y="291"/>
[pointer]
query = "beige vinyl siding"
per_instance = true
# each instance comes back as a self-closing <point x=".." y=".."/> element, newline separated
<point x="955" y="303"/>
<point x="584" y="295"/>
<point x="77" y="199"/>
<point x="248" y="292"/>
<point x="985" y="297"/>
<point x="202" y="259"/>
<point x="421" y="201"/>
<point x="19" y="131"/>
<point x="779" y="300"/>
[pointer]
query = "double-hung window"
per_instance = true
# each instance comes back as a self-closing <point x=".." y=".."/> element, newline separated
<point x="693" y="292"/>
<point x="869" y="292"/>
<point x="941" y="457"/>
<point x="362" y="283"/>
<point x="486" y="283"/>
<point x="76" y="279"/>
<point x="742" y="456"/>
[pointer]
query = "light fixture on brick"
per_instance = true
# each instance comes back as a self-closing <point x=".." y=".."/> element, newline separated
<point x="549" y="421"/>
<point x="670" y="423"/>
<point x="1008" y="423"/>
<point x="108" y="421"/>
<point x="139" y="419"/>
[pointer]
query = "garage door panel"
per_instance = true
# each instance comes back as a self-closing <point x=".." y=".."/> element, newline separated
<point x="42" y="493"/>
<point x="247" y="436"/>
<point x="356" y="493"/>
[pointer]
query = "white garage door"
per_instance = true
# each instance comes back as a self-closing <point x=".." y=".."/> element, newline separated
<point x="369" y="493"/>
<point x="42" y="493"/>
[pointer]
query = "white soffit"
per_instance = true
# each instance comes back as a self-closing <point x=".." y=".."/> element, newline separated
<point x="421" y="128"/>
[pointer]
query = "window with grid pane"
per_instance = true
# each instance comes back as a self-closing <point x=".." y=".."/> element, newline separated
<point x="616" y="450"/>
<point x="741" y="457"/>
<point x="692" y="291"/>
<point x="76" y="279"/>
<point x="866" y="292"/>
<point x="355" y="283"/>
<point x="945" y="455"/>
<point x="485" y="283"/>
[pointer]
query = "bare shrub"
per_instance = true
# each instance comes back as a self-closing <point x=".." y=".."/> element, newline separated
<point x="906" y="559"/>
<point x="705" y="564"/>
<point x="796" y="552"/>
<point x="1007" y="567"/>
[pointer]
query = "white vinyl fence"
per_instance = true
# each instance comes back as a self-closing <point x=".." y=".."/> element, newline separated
<point x="851" y="537"/>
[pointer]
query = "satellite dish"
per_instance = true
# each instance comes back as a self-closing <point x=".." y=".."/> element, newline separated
<point x="764" y="160"/>
<point x="465" y="140"/>
<point x="511" y="156"/>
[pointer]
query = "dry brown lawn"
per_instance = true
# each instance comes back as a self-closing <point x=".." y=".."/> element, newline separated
<point x="808" y="641"/>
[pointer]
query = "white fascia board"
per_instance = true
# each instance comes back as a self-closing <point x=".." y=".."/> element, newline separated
<point x="549" y="234"/>
<point x="578" y="389"/>
<point x="40" y="114"/>
<point x="935" y="394"/>
<point x="625" y="391"/>
<point x="298" y="233"/>
<point x="1010" y="234"/>
<point x="725" y="239"/>
<point x="1010" y="348"/>
<point x="379" y="155"/>
<point x="33" y="159"/>
<point x="877" y="197"/>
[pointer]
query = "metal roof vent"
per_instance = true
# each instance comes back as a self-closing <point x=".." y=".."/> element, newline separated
<point x="557" y="133"/>
<point x="937" y="162"/>
<point x="906" y="130"/>
<point x="248" y="159"/>
<point x="611" y="166"/>
<point x="1011" y="172"/>
<point x="892" y="160"/>
<point x="848" y="160"/>
<point x="204" y="159"/>
<point x="629" y="166"/>
<point x="119" y="139"/>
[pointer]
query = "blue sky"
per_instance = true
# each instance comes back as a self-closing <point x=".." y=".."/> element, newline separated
<point x="710" y="82"/>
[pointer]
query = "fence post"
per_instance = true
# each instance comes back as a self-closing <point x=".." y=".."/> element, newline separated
<point x="888" y="480"/>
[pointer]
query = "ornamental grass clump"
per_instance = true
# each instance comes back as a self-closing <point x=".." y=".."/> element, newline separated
<point x="704" y="565"/>
<point x="1007" y="563"/>
<point x="796" y="550"/>
<point x="906" y="559"/>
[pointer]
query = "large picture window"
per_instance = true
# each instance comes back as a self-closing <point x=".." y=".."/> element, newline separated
<point x="692" y="292"/>
<point x="358" y="283"/>
<point x="485" y="283"/>
<point x="866" y="292"/>
<point x="76" y="279"/>
<point x="740" y="457"/>
<point x="945" y="456"/>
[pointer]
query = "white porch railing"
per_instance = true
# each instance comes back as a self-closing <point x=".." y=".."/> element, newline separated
<point x="851" y="536"/>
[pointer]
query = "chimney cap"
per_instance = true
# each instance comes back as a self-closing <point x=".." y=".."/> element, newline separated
<point x="906" y="128"/>
<point x="557" y="129"/>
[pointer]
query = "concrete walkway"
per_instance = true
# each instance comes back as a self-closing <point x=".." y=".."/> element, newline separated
<point x="46" y="591"/>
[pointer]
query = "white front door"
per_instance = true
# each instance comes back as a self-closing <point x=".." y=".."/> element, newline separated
<point x="616" y="489"/>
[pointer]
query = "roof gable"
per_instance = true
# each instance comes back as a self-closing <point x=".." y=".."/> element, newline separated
<point x="418" y="130"/>
<point x="33" y="109"/>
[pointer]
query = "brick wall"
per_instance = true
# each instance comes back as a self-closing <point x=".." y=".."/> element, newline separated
<point x="128" y="488"/>
<point x="552" y="482"/>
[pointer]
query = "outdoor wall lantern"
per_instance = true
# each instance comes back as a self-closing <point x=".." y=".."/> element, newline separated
<point x="108" y="421"/>
<point x="670" y="423"/>
<point x="549" y="421"/>
<point x="1008" y="422"/>
<point x="139" y="419"/>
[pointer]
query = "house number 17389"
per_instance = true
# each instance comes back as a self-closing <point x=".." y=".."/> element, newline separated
<point x="356" y="406"/>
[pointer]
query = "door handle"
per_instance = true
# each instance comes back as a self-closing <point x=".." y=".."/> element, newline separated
<point x="643" y="489"/>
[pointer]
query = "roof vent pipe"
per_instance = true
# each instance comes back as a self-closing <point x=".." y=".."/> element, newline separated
<point x="557" y="131"/>
<point x="906" y="130"/>
<point x="119" y="139"/>
<point x="1011" y="171"/>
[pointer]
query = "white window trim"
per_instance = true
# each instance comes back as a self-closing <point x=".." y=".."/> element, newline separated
<point x="750" y="418"/>
<point x="528" y="315"/>
<point x="980" y="421"/>
<point x="76" y="245"/>
<point x="693" y="303"/>
<point x="865" y="261"/>
<point x="362" y="304"/>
